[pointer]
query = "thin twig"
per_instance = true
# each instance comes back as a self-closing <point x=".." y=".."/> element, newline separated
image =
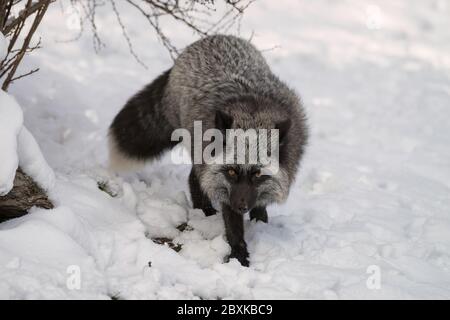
<point x="125" y="34"/>
<point x="24" y="75"/>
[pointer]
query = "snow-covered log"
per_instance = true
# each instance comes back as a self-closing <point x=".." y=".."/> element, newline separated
<point x="24" y="195"/>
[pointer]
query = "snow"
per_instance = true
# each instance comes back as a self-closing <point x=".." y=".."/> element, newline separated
<point x="372" y="192"/>
<point x="3" y="46"/>
<point x="19" y="148"/>
<point x="11" y="119"/>
<point x="33" y="162"/>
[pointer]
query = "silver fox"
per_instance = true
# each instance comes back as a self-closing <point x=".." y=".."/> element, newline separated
<point x="224" y="82"/>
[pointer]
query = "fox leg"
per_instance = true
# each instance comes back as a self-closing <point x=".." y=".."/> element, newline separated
<point x="234" y="229"/>
<point x="259" y="214"/>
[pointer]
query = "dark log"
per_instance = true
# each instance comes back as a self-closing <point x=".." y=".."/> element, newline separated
<point x="24" y="195"/>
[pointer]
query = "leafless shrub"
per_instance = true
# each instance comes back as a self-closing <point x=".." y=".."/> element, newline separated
<point x="196" y="15"/>
<point x="19" y="30"/>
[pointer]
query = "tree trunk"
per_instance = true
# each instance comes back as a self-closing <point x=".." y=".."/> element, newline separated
<point x="24" y="195"/>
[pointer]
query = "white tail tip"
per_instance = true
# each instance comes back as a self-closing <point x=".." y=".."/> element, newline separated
<point x="120" y="162"/>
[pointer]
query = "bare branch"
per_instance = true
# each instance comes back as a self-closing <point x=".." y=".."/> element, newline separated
<point x="24" y="75"/>
<point x="125" y="34"/>
<point x="10" y="25"/>
<point x="195" y="15"/>
<point x="11" y="65"/>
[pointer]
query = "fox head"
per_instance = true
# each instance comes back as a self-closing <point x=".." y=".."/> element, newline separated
<point x="243" y="180"/>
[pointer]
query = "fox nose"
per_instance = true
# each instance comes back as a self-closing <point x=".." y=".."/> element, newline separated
<point x="242" y="197"/>
<point x="243" y="209"/>
<point x="242" y="206"/>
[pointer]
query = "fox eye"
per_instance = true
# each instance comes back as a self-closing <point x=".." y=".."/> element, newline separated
<point x="258" y="173"/>
<point x="231" y="172"/>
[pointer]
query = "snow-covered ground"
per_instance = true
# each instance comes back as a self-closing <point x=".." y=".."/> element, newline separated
<point x="371" y="202"/>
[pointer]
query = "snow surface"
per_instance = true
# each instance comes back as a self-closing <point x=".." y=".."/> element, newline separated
<point x="11" y="119"/>
<point x="373" y="189"/>
<point x="3" y="46"/>
<point x="32" y="162"/>
<point x="19" y="148"/>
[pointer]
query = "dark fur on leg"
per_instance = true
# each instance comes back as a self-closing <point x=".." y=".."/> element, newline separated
<point x="234" y="229"/>
<point x="199" y="199"/>
<point x="141" y="130"/>
<point x="259" y="214"/>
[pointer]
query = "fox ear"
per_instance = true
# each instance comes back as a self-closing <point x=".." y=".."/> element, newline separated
<point x="283" y="129"/>
<point x="223" y="120"/>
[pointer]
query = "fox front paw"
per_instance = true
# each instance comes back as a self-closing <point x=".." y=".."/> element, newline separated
<point x="259" y="214"/>
<point x="209" y="211"/>
<point x="241" y="254"/>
